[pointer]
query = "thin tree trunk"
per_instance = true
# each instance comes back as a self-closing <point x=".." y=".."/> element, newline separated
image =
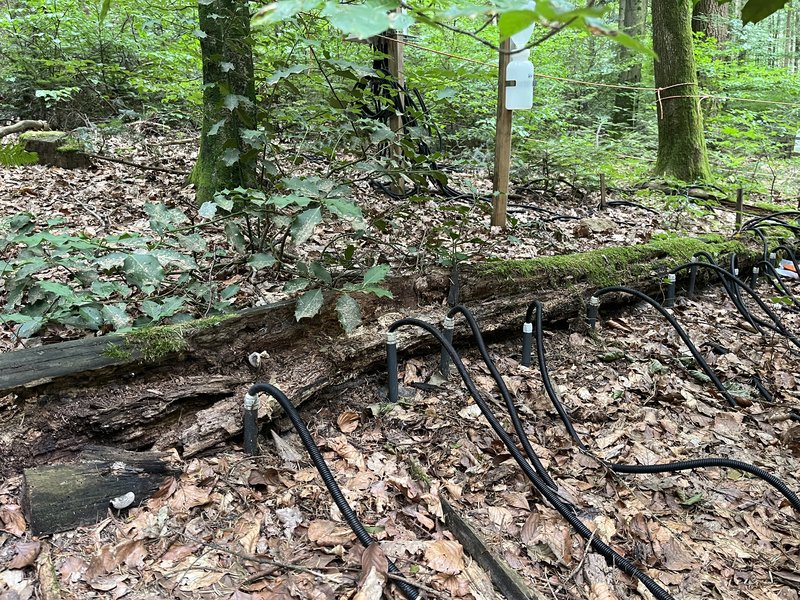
<point x="711" y="19"/>
<point x="681" y="143"/>
<point x="632" y="22"/>
<point x="226" y="159"/>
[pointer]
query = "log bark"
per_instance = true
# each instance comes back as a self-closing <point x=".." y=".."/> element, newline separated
<point x="61" y="497"/>
<point x="22" y="126"/>
<point x="192" y="399"/>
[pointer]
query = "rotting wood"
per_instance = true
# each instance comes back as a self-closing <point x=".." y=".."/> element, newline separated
<point x="191" y="400"/>
<point x="61" y="497"/>
<point x="23" y="126"/>
<point x="507" y="581"/>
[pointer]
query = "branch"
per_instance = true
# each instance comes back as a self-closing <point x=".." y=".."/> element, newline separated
<point x="137" y="165"/>
<point x="23" y="126"/>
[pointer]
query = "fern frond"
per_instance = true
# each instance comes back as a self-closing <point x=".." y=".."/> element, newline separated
<point x="14" y="155"/>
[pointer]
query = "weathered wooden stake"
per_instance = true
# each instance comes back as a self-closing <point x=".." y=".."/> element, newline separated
<point x="739" y="208"/>
<point x="502" y="145"/>
<point x="397" y="71"/>
<point x="603" y="190"/>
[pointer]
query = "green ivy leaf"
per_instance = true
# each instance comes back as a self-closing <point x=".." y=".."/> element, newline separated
<point x="284" y="201"/>
<point x="376" y="274"/>
<point x="377" y="291"/>
<point x="29" y="328"/>
<point x="231" y="156"/>
<point x="91" y="316"/>
<point x="321" y="272"/>
<point x="308" y="304"/>
<point x="305" y="223"/>
<point x="143" y="270"/>
<point x="214" y="130"/>
<point x="261" y="261"/>
<point x="349" y="312"/>
<point x="295" y="285"/>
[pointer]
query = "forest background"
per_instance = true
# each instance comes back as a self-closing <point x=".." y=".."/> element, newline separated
<point x="102" y="68"/>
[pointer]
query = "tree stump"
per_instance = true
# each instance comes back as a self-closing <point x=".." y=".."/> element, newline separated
<point x="57" y="148"/>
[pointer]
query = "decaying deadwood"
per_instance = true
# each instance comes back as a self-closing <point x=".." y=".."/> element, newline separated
<point x="22" y="126"/>
<point x="509" y="583"/>
<point x="60" y="497"/>
<point x="192" y="399"/>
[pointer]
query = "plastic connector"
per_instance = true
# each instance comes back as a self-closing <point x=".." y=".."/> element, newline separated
<point x="592" y="311"/>
<point x="447" y="332"/>
<point x="669" y="301"/>
<point x="754" y="277"/>
<point x="692" y="278"/>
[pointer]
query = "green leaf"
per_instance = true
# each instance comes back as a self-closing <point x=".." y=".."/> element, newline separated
<point x="377" y="291"/>
<point x="308" y="304"/>
<point x="214" y="130"/>
<point x="59" y="289"/>
<point x="231" y="156"/>
<point x="349" y="312"/>
<point x="305" y="223"/>
<point x="284" y="201"/>
<point x="226" y="66"/>
<point x="758" y="10"/>
<point x="29" y="328"/>
<point x="143" y="270"/>
<point x="171" y="258"/>
<point x="230" y="291"/>
<point x="359" y="20"/>
<point x="376" y="274"/>
<point x="344" y="209"/>
<point x="284" y="73"/>
<point x="261" y="261"/>
<point x="514" y="21"/>
<point x="295" y="285"/>
<point x="321" y="272"/>
<point x="115" y="315"/>
<point x="282" y="10"/>
<point x="207" y="210"/>
<point x="104" y="9"/>
<point x="110" y="261"/>
<point x="91" y="316"/>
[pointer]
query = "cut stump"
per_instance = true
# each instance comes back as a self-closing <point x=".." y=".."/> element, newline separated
<point x="57" y="148"/>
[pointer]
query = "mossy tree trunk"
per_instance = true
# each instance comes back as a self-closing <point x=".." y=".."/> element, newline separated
<point x="229" y="142"/>
<point x="632" y="17"/>
<point x="710" y="18"/>
<point x="681" y="143"/>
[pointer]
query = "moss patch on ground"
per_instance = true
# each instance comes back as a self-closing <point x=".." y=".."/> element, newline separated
<point x="63" y="140"/>
<point x="613" y="265"/>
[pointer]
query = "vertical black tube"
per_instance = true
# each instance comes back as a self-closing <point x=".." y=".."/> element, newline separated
<point x="669" y="301"/>
<point x="447" y="333"/>
<point x="692" y="279"/>
<point x="391" y="366"/>
<point x="251" y="425"/>
<point x="754" y="277"/>
<point x="592" y="310"/>
<point x="527" y="343"/>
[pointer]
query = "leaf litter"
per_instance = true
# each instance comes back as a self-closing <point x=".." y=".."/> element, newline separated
<point x="265" y="527"/>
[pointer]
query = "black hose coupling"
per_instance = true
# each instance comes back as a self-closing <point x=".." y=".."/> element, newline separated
<point x="391" y="366"/>
<point x="669" y="301"/>
<point x="754" y="277"/>
<point x="251" y="424"/>
<point x="592" y="311"/>
<point x="447" y="333"/>
<point x="692" y="278"/>
<point x="527" y="343"/>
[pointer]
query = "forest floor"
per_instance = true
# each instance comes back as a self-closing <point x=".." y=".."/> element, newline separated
<point x="240" y="527"/>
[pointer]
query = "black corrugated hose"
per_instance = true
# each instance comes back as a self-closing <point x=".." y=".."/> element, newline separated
<point x="409" y="591"/>
<point x="501" y="385"/>
<point x="566" y="510"/>
<point x="676" y="326"/>
<point x="683" y="465"/>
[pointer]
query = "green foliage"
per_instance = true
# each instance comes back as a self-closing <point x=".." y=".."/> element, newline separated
<point x="14" y="155"/>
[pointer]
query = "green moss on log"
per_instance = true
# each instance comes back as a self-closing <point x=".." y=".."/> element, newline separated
<point x="610" y="266"/>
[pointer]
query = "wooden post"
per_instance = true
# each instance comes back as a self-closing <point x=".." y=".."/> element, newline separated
<point x="739" y="207"/>
<point x="397" y="71"/>
<point x="502" y="145"/>
<point x="603" y="191"/>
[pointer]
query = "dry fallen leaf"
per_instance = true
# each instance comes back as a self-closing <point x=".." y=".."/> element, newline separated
<point x="374" y="557"/>
<point x="348" y="421"/>
<point x="371" y="587"/>
<point x="26" y="553"/>
<point x="328" y="533"/>
<point x="12" y="519"/>
<point x="445" y="556"/>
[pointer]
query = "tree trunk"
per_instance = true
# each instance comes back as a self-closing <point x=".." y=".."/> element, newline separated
<point x="681" y="143"/>
<point x="711" y="19"/>
<point x="631" y="21"/>
<point x="227" y="156"/>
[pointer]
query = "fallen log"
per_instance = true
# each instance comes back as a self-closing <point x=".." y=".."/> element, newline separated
<point x="23" y="126"/>
<point x="186" y="392"/>
<point x="61" y="497"/>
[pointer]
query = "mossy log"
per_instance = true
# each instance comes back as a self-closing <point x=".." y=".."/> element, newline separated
<point x="183" y="386"/>
<point x="57" y="148"/>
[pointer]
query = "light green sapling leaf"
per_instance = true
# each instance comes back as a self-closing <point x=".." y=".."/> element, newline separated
<point x="349" y="312"/>
<point x="295" y="285"/>
<point x="261" y="261"/>
<point x="308" y="304"/>
<point x="29" y="328"/>
<point x="214" y="130"/>
<point x="143" y="270"/>
<point x="359" y="20"/>
<point x="305" y="223"/>
<point x="115" y="315"/>
<point x="321" y="272"/>
<point x="376" y="274"/>
<point x="207" y="210"/>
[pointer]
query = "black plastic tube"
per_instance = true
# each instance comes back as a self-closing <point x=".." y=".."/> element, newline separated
<point x="527" y="343"/>
<point x="391" y="367"/>
<point x="545" y="373"/>
<point x="681" y="332"/>
<point x="692" y="279"/>
<point x="409" y="591"/>
<point x="775" y="280"/>
<point x="250" y="444"/>
<point x="759" y="385"/>
<point x="722" y="274"/>
<point x="669" y="300"/>
<point x="506" y="395"/>
<point x="684" y="465"/>
<point x="444" y="358"/>
<point x="566" y="510"/>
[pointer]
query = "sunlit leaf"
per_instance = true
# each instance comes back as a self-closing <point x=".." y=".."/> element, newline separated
<point x="308" y="304"/>
<point x="349" y="312"/>
<point x="305" y="223"/>
<point x="376" y="274"/>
